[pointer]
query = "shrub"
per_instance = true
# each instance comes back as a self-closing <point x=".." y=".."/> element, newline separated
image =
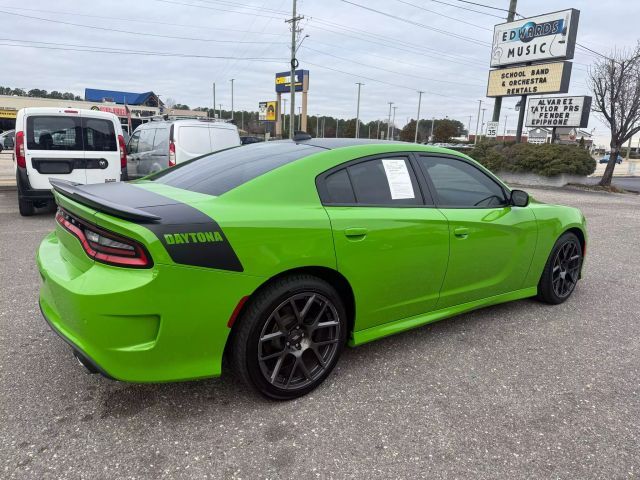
<point x="546" y="159"/>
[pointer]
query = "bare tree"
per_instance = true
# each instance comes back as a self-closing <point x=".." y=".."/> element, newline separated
<point x="615" y="83"/>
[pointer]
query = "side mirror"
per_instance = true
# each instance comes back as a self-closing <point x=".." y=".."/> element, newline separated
<point x="519" y="198"/>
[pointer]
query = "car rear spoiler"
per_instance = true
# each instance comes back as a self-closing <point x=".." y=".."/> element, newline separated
<point x="74" y="191"/>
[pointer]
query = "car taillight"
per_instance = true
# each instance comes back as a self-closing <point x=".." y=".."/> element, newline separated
<point x="20" y="157"/>
<point x="123" y="152"/>
<point x="172" y="154"/>
<point x="103" y="246"/>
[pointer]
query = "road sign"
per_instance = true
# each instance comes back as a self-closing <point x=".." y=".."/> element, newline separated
<point x="492" y="129"/>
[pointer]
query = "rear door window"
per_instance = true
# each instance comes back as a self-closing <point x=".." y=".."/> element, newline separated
<point x="54" y="133"/>
<point x="161" y="140"/>
<point x="145" y="143"/>
<point x="385" y="181"/>
<point x="132" y="147"/>
<point x="100" y="135"/>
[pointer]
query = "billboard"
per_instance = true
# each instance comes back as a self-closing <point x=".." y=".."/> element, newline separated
<point x="532" y="79"/>
<point x="558" y="112"/>
<point x="267" y="111"/>
<point x="283" y="81"/>
<point x="551" y="36"/>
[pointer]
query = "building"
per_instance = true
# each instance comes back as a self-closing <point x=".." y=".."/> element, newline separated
<point x="141" y="106"/>
<point x="564" y="136"/>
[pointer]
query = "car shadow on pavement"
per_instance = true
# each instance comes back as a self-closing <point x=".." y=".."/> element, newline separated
<point x="412" y="349"/>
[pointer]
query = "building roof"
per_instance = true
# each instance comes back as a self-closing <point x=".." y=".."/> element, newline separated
<point x="97" y="95"/>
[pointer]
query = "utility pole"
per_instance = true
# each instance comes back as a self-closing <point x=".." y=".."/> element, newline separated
<point x="433" y="120"/>
<point x="369" y="136"/>
<point x="284" y="114"/>
<point x="358" y="111"/>
<point x="393" y="124"/>
<point x="389" y="122"/>
<point x="504" y="133"/>
<point x="299" y="116"/>
<point x="469" y="128"/>
<point x="415" y="139"/>
<point x="220" y="114"/>
<point x="378" y="132"/>
<point x="214" y="99"/>
<point x="232" y="116"/>
<point x="475" y="138"/>
<point x="294" y="64"/>
<point x="497" y="105"/>
<point x="482" y="124"/>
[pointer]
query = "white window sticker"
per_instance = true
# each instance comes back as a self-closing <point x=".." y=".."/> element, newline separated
<point x="398" y="178"/>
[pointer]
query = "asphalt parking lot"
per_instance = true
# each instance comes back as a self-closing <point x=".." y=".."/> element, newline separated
<point x="521" y="390"/>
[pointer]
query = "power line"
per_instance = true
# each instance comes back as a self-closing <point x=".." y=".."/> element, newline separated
<point x="443" y="15"/>
<point x="119" y="51"/>
<point x="122" y="19"/>
<point x="390" y="71"/>
<point x="468" y="9"/>
<point x="217" y="9"/>
<point x="418" y="24"/>
<point x="483" y="5"/>
<point x="95" y="27"/>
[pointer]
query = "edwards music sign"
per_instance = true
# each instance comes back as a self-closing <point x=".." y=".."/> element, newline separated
<point x="546" y="37"/>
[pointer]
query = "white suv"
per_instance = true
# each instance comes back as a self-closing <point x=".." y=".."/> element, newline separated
<point x="82" y="146"/>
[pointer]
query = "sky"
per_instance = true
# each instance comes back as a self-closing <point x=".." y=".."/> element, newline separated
<point x="173" y="47"/>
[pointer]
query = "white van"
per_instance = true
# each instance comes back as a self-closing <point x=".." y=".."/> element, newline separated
<point x="82" y="146"/>
<point x="160" y="144"/>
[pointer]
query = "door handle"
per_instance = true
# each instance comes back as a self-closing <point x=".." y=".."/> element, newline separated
<point x="355" y="233"/>
<point x="461" y="232"/>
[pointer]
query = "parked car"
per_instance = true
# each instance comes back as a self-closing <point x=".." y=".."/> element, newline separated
<point x="605" y="159"/>
<point x="249" y="139"/>
<point x="160" y="144"/>
<point x="280" y="253"/>
<point x="81" y="146"/>
<point x="7" y="140"/>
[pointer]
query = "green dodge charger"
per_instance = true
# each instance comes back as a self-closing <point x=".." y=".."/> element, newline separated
<point x="277" y="255"/>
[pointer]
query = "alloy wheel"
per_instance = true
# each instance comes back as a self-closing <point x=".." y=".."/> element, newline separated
<point x="299" y="341"/>
<point x="566" y="268"/>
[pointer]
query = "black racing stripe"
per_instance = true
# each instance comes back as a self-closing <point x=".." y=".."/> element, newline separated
<point x="183" y="222"/>
<point x="189" y="236"/>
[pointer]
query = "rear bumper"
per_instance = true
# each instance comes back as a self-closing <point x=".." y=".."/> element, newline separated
<point x="163" y="324"/>
<point x="26" y="192"/>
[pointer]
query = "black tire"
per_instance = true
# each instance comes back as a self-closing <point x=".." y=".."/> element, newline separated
<point x="303" y="345"/>
<point x="562" y="270"/>
<point x="25" y="207"/>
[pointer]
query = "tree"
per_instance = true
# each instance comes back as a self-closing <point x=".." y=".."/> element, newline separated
<point x="445" y="130"/>
<point x="615" y="83"/>
<point x="181" y="106"/>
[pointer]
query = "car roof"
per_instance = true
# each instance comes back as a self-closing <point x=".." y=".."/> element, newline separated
<point x="333" y="143"/>
<point x="187" y="121"/>
<point x="85" y="112"/>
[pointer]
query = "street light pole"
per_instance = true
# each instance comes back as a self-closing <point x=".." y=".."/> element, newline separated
<point x="232" y="116"/>
<point x="482" y="124"/>
<point x="294" y="63"/>
<point x="415" y="139"/>
<point x="389" y="121"/>
<point x="475" y="139"/>
<point x="358" y="111"/>
<point x="393" y="124"/>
